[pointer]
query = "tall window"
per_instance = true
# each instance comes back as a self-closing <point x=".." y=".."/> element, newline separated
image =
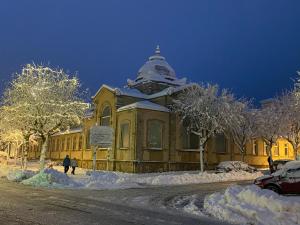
<point x="105" y="116"/>
<point x="57" y="145"/>
<point x="68" y="143"/>
<point x="254" y="147"/>
<point x="265" y="148"/>
<point x="87" y="140"/>
<point x="80" y="143"/>
<point x="276" y="149"/>
<point x="154" y="134"/>
<point x="63" y="144"/>
<point x="74" y="143"/>
<point x="220" y="143"/>
<point x="124" y="135"/>
<point x="286" y="149"/>
<point x="189" y="140"/>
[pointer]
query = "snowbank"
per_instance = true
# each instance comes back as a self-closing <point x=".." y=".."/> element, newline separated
<point x="252" y="205"/>
<point x="113" y="180"/>
<point x="19" y="175"/>
<point x="51" y="178"/>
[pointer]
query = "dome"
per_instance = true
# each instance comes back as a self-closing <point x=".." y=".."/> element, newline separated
<point x="156" y="65"/>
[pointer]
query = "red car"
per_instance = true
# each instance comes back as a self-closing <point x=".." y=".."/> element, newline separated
<point x="284" y="181"/>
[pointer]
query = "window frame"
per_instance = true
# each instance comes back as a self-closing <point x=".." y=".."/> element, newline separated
<point x="161" y="136"/>
<point x="185" y="134"/>
<point x="105" y="106"/>
<point x="276" y="147"/>
<point x="254" y="147"/>
<point x="125" y="122"/>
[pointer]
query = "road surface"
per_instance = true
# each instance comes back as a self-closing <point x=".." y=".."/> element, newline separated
<point x="26" y="205"/>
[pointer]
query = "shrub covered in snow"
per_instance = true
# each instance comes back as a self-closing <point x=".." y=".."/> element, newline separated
<point x="19" y="175"/>
<point x="228" y="166"/>
<point x="252" y="205"/>
<point x="50" y="178"/>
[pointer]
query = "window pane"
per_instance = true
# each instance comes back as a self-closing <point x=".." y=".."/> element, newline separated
<point x="189" y="140"/>
<point x="124" y="136"/>
<point x="105" y="116"/>
<point x="220" y="143"/>
<point x="155" y="134"/>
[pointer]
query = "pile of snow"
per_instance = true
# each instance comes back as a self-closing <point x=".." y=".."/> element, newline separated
<point x="252" y="205"/>
<point x="228" y="166"/>
<point x="105" y="179"/>
<point x="110" y="180"/>
<point x="18" y="175"/>
<point x="51" y="178"/>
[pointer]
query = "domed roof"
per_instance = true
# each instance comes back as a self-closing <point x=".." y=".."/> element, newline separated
<point x="156" y="65"/>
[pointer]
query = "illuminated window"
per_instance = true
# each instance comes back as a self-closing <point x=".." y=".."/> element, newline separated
<point x="286" y="149"/>
<point x="124" y="135"/>
<point x="254" y="147"/>
<point x="105" y="116"/>
<point x="265" y="148"/>
<point x="154" y="134"/>
<point x="276" y="149"/>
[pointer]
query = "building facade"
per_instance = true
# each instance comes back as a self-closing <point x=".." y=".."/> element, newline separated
<point x="147" y="136"/>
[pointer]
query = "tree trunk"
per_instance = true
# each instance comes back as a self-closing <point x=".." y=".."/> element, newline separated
<point x="43" y="152"/>
<point x="201" y="158"/>
<point x="243" y="156"/>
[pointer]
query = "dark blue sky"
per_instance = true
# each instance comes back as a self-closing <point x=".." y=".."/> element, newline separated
<point x="251" y="47"/>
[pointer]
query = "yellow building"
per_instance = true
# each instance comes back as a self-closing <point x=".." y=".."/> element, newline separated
<point x="147" y="136"/>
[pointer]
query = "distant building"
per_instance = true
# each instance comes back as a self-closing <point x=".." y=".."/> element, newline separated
<point x="147" y="136"/>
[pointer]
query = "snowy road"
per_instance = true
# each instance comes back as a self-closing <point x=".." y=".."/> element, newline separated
<point x="26" y="205"/>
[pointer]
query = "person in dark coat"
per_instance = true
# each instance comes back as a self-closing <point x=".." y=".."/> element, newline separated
<point x="74" y="164"/>
<point x="66" y="163"/>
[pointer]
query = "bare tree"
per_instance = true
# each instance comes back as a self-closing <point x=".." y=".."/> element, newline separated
<point x="203" y="111"/>
<point x="43" y="101"/>
<point x="269" y="122"/>
<point x="290" y="103"/>
<point x="241" y="125"/>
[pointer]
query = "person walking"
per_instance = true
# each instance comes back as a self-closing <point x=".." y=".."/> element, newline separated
<point x="66" y="163"/>
<point x="74" y="164"/>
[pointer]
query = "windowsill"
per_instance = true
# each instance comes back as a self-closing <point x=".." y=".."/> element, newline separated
<point x="124" y="148"/>
<point x="154" y="149"/>
<point x="188" y="150"/>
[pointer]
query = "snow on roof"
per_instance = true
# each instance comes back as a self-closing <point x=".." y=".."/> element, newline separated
<point x="137" y="94"/>
<point x="144" y="105"/>
<point x="72" y="131"/>
<point x="156" y="69"/>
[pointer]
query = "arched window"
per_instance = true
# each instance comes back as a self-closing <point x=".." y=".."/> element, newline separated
<point x="105" y="116"/>
<point x="154" y="134"/>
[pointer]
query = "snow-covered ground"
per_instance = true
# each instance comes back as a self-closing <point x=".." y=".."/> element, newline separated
<point x="246" y="205"/>
<point x="54" y="177"/>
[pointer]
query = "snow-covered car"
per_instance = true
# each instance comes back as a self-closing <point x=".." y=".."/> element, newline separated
<point x="228" y="166"/>
<point x="278" y="164"/>
<point x="284" y="181"/>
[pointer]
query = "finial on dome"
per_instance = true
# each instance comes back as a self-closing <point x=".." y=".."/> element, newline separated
<point x="157" y="50"/>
